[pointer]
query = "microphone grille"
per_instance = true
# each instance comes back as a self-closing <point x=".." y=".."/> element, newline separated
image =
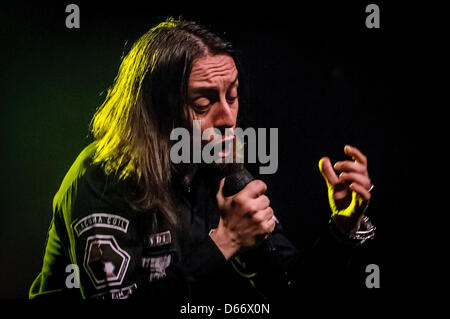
<point x="235" y="182"/>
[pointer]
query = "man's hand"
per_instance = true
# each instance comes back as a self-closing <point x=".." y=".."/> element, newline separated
<point x="348" y="193"/>
<point x="245" y="218"/>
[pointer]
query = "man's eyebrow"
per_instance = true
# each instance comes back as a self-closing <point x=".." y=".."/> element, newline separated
<point x="203" y="89"/>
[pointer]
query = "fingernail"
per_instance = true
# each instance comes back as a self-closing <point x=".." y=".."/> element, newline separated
<point x="351" y="185"/>
<point x="345" y="149"/>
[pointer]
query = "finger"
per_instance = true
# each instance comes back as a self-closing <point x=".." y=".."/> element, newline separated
<point x="262" y="202"/>
<point x="263" y="216"/>
<point x="350" y="166"/>
<point x="269" y="223"/>
<point x="357" y="178"/>
<point x="269" y="216"/>
<point x="327" y="171"/>
<point x="359" y="189"/>
<point x="355" y="154"/>
<point x="269" y="227"/>
<point x="254" y="189"/>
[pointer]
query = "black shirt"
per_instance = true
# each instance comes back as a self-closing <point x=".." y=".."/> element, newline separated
<point x="121" y="253"/>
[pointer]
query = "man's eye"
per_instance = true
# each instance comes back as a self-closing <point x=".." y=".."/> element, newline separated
<point x="232" y="94"/>
<point x="202" y="102"/>
<point x="201" y="105"/>
<point x="200" y="109"/>
<point x="231" y="99"/>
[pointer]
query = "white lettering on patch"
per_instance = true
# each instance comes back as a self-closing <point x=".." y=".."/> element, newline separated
<point x="159" y="239"/>
<point x="101" y="220"/>
<point x="123" y="293"/>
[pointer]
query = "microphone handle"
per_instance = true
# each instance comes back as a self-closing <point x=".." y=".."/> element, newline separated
<point x="233" y="184"/>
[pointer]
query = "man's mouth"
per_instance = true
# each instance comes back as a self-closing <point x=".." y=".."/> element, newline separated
<point x="227" y="147"/>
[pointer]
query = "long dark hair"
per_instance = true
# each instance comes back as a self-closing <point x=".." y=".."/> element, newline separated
<point x="148" y="98"/>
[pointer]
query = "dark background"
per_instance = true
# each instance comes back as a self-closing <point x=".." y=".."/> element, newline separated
<point x="313" y="71"/>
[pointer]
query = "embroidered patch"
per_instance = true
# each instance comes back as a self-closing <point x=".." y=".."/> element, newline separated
<point x="101" y="220"/>
<point x="122" y="293"/>
<point x="104" y="261"/>
<point x="159" y="239"/>
<point x="157" y="266"/>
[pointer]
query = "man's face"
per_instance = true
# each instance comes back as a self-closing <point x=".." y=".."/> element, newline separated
<point x="213" y="93"/>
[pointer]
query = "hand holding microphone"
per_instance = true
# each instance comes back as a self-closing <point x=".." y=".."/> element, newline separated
<point x="245" y="213"/>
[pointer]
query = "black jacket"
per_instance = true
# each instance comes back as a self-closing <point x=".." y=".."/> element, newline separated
<point x="121" y="253"/>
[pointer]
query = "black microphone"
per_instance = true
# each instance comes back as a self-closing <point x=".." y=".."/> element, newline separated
<point x="235" y="182"/>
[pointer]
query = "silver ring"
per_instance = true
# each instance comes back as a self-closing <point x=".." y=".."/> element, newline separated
<point x="371" y="187"/>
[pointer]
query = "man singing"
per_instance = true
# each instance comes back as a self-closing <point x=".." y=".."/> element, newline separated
<point x="133" y="224"/>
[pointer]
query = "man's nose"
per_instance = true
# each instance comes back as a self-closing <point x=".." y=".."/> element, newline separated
<point x="224" y="117"/>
